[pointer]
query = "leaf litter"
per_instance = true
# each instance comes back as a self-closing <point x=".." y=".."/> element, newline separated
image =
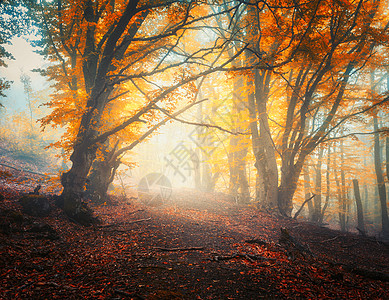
<point x="196" y="246"/>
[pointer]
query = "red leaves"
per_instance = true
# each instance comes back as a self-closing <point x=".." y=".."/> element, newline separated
<point x="125" y="261"/>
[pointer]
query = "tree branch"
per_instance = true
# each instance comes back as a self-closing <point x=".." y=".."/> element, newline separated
<point x="200" y="124"/>
<point x="302" y="206"/>
<point x="136" y="118"/>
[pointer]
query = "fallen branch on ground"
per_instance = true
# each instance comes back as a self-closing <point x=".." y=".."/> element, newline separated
<point x="257" y="241"/>
<point x="138" y="221"/>
<point x="179" y="249"/>
<point x="250" y="257"/>
<point x="134" y="212"/>
<point x="287" y="239"/>
<point x="331" y="239"/>
<point x="123" y="223"/>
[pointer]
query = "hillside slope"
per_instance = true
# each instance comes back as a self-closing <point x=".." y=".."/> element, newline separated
<point x="196" y="246"/>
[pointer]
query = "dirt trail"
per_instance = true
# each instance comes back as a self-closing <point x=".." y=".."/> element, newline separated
<point x="196" y="246"/>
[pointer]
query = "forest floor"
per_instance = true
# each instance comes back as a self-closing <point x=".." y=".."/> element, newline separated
<point x="195" y="246"/>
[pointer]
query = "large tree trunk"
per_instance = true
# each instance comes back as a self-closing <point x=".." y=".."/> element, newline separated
<point x="101" y="176"/>
<point x="260" y="192"/>
<point x="95" y="66"/>
<point x="237" y="153"/>
<point x="286" y="190"/>
<point x="238" y="186"/>
<point x="263" y="146"/>
<point x="84" y="153"/>
<point x="73" y="182"/>
<point x="380" y="181"/>
<point x="258" y="87"/>
<point x="290" y="173"/>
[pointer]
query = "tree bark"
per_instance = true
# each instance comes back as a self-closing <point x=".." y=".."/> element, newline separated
<point x="387" y="157"/>
<point x="343" y="186"/>
<point x="358" y="201"/>
<point x="328" y="184"/>
<point x="84" y="153"/>
<point x="267" y="177"/>
<point x="262" y="143"/>
<point x="98" y="88"/>
<point x="101" y="176"/>
<point x="380" y="180"/>
<point x="317" y="199"/>
<point x="239" y="186"/>
<point x="268" y="160"/>
<point x="258" y="82"/>
<point x="342" y="220"/>
<point x="73" y="182"/>
<point x="307" y="191"/>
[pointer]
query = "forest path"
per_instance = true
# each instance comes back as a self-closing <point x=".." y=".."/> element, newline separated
<point x="196" y="246"/>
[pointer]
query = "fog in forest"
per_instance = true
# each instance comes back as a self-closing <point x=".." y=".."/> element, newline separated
<point x="196" y="156"/>
<point x="258" y="122"/>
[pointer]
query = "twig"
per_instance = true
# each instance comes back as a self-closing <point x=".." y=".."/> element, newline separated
<point x="109" y="225"/>
<point x="179" y="249"/>
<point x="257" y="241"/>
<point x="25" y="285"/>
<point x="134" y="212"/>
<point x="138" y="221"/>
<point x="207" y="125"/>
<point x="125" y="223"/>
<point x="250" y="257"/>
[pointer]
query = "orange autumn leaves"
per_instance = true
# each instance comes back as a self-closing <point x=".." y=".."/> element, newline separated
<point x="68" y="103"/>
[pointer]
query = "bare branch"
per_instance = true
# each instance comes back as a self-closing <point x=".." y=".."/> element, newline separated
<point x="350" y="116"/>
<point x="207" y="125"/>
<point x="353" y="134"/>
<point x="136" y="118"/>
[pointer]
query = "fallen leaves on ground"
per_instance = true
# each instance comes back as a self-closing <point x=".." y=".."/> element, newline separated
<point x="196" y="246"/>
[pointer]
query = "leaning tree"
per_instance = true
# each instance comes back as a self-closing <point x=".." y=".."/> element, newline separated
<point x="99" y="47"/>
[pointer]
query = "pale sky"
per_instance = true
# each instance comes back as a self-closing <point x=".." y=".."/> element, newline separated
<point x="25" y="61"/>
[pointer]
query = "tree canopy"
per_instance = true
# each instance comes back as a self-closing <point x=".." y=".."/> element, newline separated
<point x="297" y="75"/>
